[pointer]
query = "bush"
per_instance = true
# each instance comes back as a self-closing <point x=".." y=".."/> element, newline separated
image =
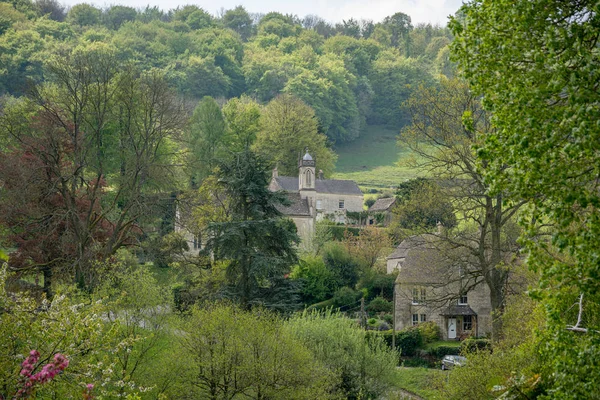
<point x="472" y="345"/>
<point x="430" y="332"/>
<point x="379" y="304"/>
<point x="407" y="340"/>
<point x="441" y="351"/>
<point x="346" y="297"/>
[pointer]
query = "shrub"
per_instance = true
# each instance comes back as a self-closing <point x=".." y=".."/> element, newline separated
<point x="346" y="297"/>
<point x="379" y="304"/>
<point x="430" y="332"/>
<point x="409" y="341"/>
<point x="471" y="345"/>
<point x="441" y="351"/>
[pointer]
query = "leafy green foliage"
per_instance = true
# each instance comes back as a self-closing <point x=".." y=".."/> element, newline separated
<point x="235" y="353"/>
<point x="288" y="127"/>
<point x="256" y="241"/>
<point x="317" y="280"/>
<point x="545" y="151"/>
<point x="363" y="364"/>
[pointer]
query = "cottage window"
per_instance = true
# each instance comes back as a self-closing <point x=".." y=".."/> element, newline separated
<point x="341" y="204"/>
<point x="415" y="293"/>
<point x="308" y="178"/>
<point x="415" y="319"/>
<point x="423" y="295"/>
<point x="423" y="317"/>
<point x="319" y="204"/>
<point x="197" y="242"/>
<point x="467" y="323"/>
<point x="463" y="300"/>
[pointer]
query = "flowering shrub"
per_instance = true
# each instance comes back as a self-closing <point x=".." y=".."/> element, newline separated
<point x="45" y="375"/>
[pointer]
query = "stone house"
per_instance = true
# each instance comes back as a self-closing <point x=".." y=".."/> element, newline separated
<point x="381" y="211"/>
<point x="434" y="284"/>
<point x="313" y="198"/>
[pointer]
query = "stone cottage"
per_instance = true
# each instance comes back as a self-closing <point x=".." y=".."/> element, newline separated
<point x="434" y="284"/>
<point x="313" y="198"/>
<point x="381" y="211"/>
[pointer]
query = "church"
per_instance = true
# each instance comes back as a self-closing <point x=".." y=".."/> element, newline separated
<point x="313" y="198"/>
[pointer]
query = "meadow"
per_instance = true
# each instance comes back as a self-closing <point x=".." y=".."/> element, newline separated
<point x="375" y="160"/>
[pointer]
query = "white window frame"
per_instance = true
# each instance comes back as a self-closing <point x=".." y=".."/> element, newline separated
<point x="423" y="317"/>
<point x="467" y="326"/>
<point x="415" y="319"/>
<point x="415" y="296"/>
<point x="341" y="204"/>
<point x="463" y="300"/>
<point x="319" y="204"/>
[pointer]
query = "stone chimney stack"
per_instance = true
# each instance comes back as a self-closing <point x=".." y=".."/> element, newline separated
<point x="321" y="174"/>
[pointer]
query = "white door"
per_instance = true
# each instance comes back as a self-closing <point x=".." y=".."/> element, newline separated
<point x="451" y="328"/>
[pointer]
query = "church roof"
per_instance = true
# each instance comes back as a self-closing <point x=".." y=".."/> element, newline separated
<point x="298" y="206"/>
<point x="307" y="157"/>
<point x="382" y="204"/>
<point x="332" y="186"/>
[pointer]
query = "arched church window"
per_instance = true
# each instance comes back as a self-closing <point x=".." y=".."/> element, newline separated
<point x="309" y="178"/>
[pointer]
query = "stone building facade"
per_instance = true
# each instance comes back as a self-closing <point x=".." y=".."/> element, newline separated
<point x="313" y="198"/>
<point x="434" y="284"/>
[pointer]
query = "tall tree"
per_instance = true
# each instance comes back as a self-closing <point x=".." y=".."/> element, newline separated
<point x="538" y="66"/>
<point x="446" y="122"/>
<point x="256" y="241"/>
<point x="91" y="128"/>
<point x="288" y="126"/>
<point x="206" y="139"/>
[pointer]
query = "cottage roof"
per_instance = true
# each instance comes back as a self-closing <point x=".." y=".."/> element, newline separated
<point x="332" y="186"/>
<point x="384" y="204"/>
<point x="298" y="206"/>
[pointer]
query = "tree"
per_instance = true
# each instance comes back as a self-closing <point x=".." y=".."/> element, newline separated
<point x="116" y="16"/>
<point x="537" y="65"/>
<point x="446" y="122"/>
<point x="92" y="127"/>
<point x="84" y="14"/>
<point x="238" y="20"/>
<point x="422" y="205"/>
<point x="243" y="122"/>
<point x="206" y="137"/>
<point x="52" y="8"/>
<point x="399" y="25"/>
<point x="364" y="364"/>
<point x="256" y="241"/>
<point x="288" y="127"/>
<point x="240" y="354"/>
<point x="368" y="246"/>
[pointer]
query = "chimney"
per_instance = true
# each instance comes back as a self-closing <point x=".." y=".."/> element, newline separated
<point x="275" y="173"/>
<point x="321" y="174"/>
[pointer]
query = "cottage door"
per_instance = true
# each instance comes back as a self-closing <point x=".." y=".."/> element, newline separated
<point x="451" y="328"/>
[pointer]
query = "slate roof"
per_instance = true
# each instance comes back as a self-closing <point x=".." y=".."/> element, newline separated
<point x="333" y="186"/>
<point x="382" y="204"/>
<point x="298" y="206"/>
<point x="456" y="310"/>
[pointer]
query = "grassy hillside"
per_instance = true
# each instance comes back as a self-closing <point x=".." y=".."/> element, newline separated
<point x="374" y="159"/>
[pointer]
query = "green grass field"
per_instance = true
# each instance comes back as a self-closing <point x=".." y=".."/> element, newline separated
<point x="374" y="160"/>
<point x="420" y="381"/>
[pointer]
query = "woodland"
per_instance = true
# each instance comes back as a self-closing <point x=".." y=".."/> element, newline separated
<point x="120" y="126"/>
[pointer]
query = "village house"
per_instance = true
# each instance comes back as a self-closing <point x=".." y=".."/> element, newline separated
<point x="381" y="211"/>
<point x="434" y="284"/>
<point x="313" y="198"/>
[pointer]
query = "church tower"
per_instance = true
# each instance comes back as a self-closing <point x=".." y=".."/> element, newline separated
<point x="306" y="173"/>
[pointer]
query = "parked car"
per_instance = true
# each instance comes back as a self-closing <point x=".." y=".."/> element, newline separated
<point x="449" y="362"/>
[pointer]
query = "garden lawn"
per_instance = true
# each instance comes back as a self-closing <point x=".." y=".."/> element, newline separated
<point x="420" y="381"/>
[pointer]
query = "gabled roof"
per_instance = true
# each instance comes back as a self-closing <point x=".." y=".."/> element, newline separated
<point x="331" y="186"/>
<point x="298" y="206"/>
<point x="381" y="205"/>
